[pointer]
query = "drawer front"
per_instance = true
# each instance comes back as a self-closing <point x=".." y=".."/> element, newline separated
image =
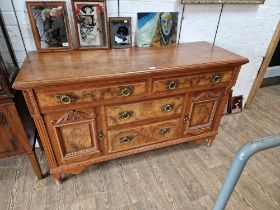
<point x="74" y="95"/>
<point x="132" y="112"/>
<point x="180" y="82"/>
<point x="141" y="136"/>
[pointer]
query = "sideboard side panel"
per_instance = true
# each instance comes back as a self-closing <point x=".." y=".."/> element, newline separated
<point x="38" y="120"/>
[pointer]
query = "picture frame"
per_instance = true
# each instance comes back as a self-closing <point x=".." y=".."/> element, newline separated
<point x="50" y="25"/>
<point x="156" y="29"/>
<point x="222" y="1"/>
<point x="91" y="25"/>
<point x="235" y="104"/>
<point x="120" y="32"/>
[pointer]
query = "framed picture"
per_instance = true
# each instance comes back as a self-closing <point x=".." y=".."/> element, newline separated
<point x="120" y="32"/>
<point x="222" y="1"/>
<point x="235" y="104"/>
<point x="156" y="28"/>
<point x="50" y="26"/>
<point x="90" y="18"/>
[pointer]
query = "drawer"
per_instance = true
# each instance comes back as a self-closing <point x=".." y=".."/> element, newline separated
<point x="140" y="136"/>
<point x="127" y="113"/>
<point x="74" y="95"/>
<point x="180" y="82"/>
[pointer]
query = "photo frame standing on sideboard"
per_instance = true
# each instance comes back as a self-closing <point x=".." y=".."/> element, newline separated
<point x="120" y="32"/>
<point x="50" y="25"/>
<point x="90" y="19"/>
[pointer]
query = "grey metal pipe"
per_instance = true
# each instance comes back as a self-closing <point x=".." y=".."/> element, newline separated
<point x="238" y="164"/>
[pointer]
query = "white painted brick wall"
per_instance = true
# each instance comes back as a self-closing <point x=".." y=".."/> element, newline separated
<point x="243" y="29"/>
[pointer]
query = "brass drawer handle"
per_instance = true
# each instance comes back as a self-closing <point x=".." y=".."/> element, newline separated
<point x="164" y="131"/>
<point x="125" y="91"/>
<point x="171" y="84"/>
<point x="126" y="139"/>
<point x="125" y="115"/>
<point x="168" y="107"/>
<point x="186" y="119"/>
<point x="64" y="98"/>
<point x="101" y="135"/>
<point x="216" y="78"/>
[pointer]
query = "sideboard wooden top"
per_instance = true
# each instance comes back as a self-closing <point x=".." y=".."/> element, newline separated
<point x="80" y="66"/>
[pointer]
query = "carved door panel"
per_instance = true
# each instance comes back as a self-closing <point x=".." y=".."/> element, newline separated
<point x="8" y="143"/>
<point x="202" y="111"/>
<point x="73" y="135"/>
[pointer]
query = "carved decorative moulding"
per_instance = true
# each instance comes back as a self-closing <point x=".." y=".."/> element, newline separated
<point x="73" y="116"/>
<point x="221" y="1"/>
<point x="209" y="95"/>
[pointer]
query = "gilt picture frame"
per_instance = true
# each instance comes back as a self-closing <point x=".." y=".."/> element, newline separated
<point x="222" y="1"/>
<point x="91" y="25"/>
<point x="50" y="25"/>
<point x="120" y="32"/>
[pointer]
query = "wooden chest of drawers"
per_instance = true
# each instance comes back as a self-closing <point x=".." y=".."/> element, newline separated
<point x="92" y="106"/>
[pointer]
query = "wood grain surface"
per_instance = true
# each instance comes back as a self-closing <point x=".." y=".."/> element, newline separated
<point x="183" y="176"/>
<point x="144" y="110"/>
<point x="143" y="135"/>
<point x="79" y="66"/>
<point x="87" y="93"/>
<point x="191" y="81"/>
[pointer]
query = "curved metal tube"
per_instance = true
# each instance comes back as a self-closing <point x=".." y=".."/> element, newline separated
<point x="238" y="164"/>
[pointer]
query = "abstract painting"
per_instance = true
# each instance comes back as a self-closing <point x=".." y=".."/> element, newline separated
<point x="156" y="28"/>
<point x="50" y="26"/>
<point x="90" y="21"/>
<point x="120" y="31"/>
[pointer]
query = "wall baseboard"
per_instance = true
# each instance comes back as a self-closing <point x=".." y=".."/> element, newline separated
<point x="270" y="81"/>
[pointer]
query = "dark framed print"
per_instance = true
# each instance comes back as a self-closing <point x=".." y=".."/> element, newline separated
<point x="90" y="18"/>
<point x="50" y="25"/>
<point x="120" y="32"/>
<point x="235" y="104"/>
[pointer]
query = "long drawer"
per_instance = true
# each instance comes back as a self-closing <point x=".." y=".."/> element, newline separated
<point x="181" y="82"/>
<point x="140" y="136"/>
<point x="127" y="113"/>
<point x="75" y="95"/>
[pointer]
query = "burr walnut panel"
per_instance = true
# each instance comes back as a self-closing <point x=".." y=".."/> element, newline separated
<point x="74" y="137"/>
<point x="74" y="95"/>
<point x="126" y="113"/>
<point x="74" y="134"/>
<point x="180" y="82"/>
<point x="136" y="137"/>
<point x="202" y="110"/>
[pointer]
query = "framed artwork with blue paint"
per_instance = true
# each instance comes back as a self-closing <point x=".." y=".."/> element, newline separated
<point x="156" y="28"/>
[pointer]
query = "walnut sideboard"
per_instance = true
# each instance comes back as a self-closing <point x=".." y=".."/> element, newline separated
<point x="93" y="106"/>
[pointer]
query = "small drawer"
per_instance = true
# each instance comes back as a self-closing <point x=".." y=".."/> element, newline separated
<point x="180" y="82"/>
<point x="141" y="136"/>
<point x="127" y="113"/>
<point x="74" y="95"/>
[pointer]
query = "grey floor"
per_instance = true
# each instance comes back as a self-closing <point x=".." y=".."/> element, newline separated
<point x="185" y="176"/>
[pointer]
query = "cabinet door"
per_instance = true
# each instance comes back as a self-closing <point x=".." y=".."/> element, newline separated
<point x="202" y="111"/>
<point x="73" y="135"/>
<point x="8" y="144"/>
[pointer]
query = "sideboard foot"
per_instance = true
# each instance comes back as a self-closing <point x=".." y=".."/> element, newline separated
<point x="58" y="182"/>
<point x="210" y="141"/>
<point x="57" y="178"/>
